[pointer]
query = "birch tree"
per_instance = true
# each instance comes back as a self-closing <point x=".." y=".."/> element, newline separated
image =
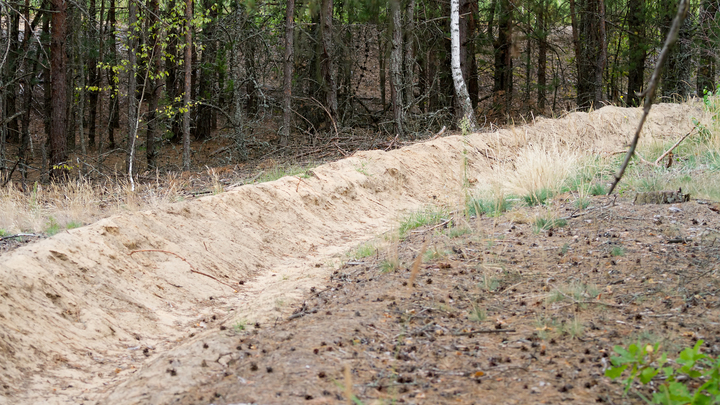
<point x="463" y="97"/>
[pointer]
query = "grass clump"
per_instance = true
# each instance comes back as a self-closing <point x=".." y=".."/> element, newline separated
<point x="617" y="251"/>
<point x="53" y="227"/>
<point x="574" y="291"/>
<point x="367" y="249"/>
<point x="546" y="223"/>
<point x="538" y="197"/>
<point x="280" y="171"/>
<point x="240" y="325"/>
<point x="458" y="231"/>
<point x="490" y="207"/>
<point x="428" y="216"/>
<point x="477" y="314"/>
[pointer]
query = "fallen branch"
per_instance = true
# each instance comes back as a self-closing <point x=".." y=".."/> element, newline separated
<point x="18" y="235"/>
<point x="657" y="162"/>
<point x="652" y="85"/>
<point x="192" y="268"/>
<point x="475" y="332"/>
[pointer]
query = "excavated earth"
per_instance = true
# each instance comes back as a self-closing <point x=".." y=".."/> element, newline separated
<point x="247" y="296"/>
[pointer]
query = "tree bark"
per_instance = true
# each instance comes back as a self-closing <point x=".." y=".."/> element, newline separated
<point x="707" y="66"/>
<point x="58" y="84"/>
<point x="542" y="32"/>
<point x="113" y="79"/>
<point x="188" y="83"/>
<point x="409" y="65"/>
<point x="288" y="65"/>
<point x="327" y="65"/>
<point x="468" y="27"/>
<point x="93" y="76"/>
<point x="153" y="126"/>
<point x="503" y="79"/>
<point x="207" y="69"/>
<point x="132" y="124"/>
<point x="592" y="55"/>
<point x="460" y="90"/>
<point x="637" y="51"/>
<point x="396" y="82"/>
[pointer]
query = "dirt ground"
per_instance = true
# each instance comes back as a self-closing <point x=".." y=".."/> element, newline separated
<point x="426" y="343"/>
<point x="148" y="307"/>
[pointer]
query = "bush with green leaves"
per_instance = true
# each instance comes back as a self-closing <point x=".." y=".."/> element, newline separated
<point x="645" y="363"/>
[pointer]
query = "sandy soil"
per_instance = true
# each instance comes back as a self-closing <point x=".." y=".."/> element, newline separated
<point x="84" y="319"/>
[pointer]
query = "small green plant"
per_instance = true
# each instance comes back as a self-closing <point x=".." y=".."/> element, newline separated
<point x="574" y="328"/>
<point x="240" y="325"/>
<point x="576" y="291"/>
<point x="547" y="223"/>
<point x="367" y="249"/>
<point x="490" y="207"/>
<point x="712" y="160"/>
<point x="388" y="266"/>
<point x="582" y="202"/>
<point x="53" y="227"/>
<point x="597" y="189"/>
<point x="458" y="231"/>
<point x="538" y="197"/>
<point x="3" y="233"/>
<point x="428" y="216"/>
<point x="490" y="284"/>
<point x="363" y="169"/>
<point x="477" y="314"/>
<point x="564" y="249"/>
<point x="617" y="251"/>
<point x="645" y="363"/>
<point x="74" y="224"/>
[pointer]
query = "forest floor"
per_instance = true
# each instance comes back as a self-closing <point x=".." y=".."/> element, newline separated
<point x="298" y="290"/>
<point x="501" y="312"/>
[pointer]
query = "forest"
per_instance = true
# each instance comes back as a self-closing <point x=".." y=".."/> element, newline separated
<point x="87" y="81"/>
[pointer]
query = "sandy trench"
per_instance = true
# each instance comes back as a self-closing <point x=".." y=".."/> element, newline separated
<point x="83" y="321"/>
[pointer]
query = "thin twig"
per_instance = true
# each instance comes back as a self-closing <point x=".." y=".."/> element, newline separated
<point x="18" y="235"/>
<point x="475" y="332"/>
<point x="674" y="146"/>
<point x="192" y="268"/>
<point x="652" y="86"/>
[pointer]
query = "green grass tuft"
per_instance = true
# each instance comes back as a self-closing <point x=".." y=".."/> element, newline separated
<point x="428" y="216"/>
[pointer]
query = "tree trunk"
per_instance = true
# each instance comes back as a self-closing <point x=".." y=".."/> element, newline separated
<point x="93" y="76"/>
<point x="676" y="75"/>
<point x="409" y="71"/>
<point x="171" y="68"/>
<point x="10" y="91"/>
<point x="463" y="97"/>
<point x="602" y="56"/>
<point x="637" y="51"/>
<point x="207" y="70"/>
<point x="328" y="70"/>
<point x="468" y="26"/>
<point x="187" y="87"/>
<point x="113" y="79"/>
<point x="132" y="124"/>
<point x="153" y="126"/>
<point x="288" y="65"/>
<point x="396" y="85"/>
<point x="58" y="84"/>
<point x="707" y="66"/>
<point x="503" y="86"/>
<point x="592" y="55"/>
<point x="542" y="32"/>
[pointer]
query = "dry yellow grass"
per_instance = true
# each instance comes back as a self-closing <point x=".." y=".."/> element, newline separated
<point x="78" y="202"/>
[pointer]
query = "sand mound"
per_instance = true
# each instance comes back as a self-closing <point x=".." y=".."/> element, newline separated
<point x="79" y="315"/>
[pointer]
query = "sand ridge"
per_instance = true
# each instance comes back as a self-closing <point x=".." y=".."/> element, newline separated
<point x="83" y="320"/>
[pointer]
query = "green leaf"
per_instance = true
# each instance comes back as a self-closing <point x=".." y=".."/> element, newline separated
<point x="615" y="372"/>
<point x="647" y="374"/>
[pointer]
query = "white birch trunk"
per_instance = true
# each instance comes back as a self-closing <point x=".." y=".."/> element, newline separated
<point x="460" y="88"/>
